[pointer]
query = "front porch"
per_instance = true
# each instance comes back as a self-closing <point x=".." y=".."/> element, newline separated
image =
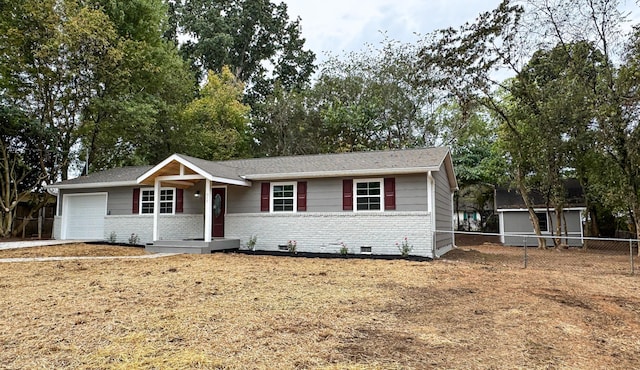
<point x="192" y="246"/>
<point x="187" y="174"/>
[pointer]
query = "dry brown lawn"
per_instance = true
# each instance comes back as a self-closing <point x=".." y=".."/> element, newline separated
<point x="477" y="308"/>
<point x="72" y="250"/>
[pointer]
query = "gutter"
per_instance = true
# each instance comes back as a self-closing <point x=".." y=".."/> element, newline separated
<point x="91" y="185"/>
<point x="338" y="173"/>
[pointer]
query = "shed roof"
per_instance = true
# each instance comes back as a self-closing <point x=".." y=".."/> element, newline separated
<point x="511" y="198"/>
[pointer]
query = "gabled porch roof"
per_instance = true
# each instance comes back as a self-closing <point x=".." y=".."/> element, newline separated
<point x="182" y="171"/>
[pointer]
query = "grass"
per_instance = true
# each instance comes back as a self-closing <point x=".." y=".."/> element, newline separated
<point x="477" y="308"/>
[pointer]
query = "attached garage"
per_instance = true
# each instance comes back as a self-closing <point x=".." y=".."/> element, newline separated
<point x="83" y="216"/>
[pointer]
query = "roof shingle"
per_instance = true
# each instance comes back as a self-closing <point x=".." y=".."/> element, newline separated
<point x="409" y="159"/>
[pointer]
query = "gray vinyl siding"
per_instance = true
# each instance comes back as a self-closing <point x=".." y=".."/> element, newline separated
<point x="443" y="208"/>
<point x="325" y="195"/>
<point x="120" y="199"/>
<point x="411" y="193"/>
<point x="242" y="199"/>
<point x="518" y="222"/>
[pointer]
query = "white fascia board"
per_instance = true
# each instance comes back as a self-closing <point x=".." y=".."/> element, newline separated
<point x="347" y="173"/>
<point x="193" y="167"/>
<point x="92" y="185"/>
<point x="539" y="209"/>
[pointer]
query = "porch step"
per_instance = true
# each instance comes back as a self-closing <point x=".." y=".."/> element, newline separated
<point x="192" y="246"/>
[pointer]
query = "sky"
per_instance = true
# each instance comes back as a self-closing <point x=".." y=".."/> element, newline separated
<point x="338" y="26"/>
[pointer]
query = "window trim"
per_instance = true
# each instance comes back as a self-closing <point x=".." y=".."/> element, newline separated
<point x="355" y="194"/>
<point x="546" y="216"/>
<point x="173" y="203"/>
<point x="294" y="196"/>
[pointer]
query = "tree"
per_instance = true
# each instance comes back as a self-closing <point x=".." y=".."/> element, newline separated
<point x="248" y="36"/>
<point x="288" y="123"/>
<point x="370" y="100"/>
<point x="217" y="122"/>
<point x="52" y="52"/>
<point x="554" y="95"/>
<point x="22" y="158"/>
<point x="618" y="132"/>
<point x="135" y="119"/>
<point x="464" y="62"/>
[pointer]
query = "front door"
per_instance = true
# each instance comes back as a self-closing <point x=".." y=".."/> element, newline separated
<point x="219" y="209"/>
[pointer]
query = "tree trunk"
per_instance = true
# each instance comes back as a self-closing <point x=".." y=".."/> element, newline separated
<point x="636" y="211"/>
<point x="566" y="229"/>
<point x="559" y="212"/>
<point x="542" y="243"/>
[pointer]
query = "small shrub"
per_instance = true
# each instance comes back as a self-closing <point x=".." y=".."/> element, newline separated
<point x="134" y="239"/>
<point x="112" y="238"/>
<point x="344" y="250"/>
<point x="405" y="248"/>
<point x="292" y="245"/>
<point x="251" y="243"/>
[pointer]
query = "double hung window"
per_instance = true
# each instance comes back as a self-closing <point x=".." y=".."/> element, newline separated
<point x="167" y="201"/>
<point x="283" y="197"/>
<point x="368" y="194"/>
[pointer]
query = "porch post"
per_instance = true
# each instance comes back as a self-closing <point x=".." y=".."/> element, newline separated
<point x="208" y="204"/>
<point x="156" y="207"/>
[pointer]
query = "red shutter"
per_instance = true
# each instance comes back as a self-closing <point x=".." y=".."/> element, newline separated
<point x="264" y="197"/>
<point x="390" y="193"/>
<point x="135" y="207"/>
<point x="347" y="195"/>
<point x="302" y="195"/>
<point x="179" y="200"/>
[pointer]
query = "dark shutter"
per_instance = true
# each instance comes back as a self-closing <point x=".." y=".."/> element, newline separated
<point x="264" y="197"/>
<point x="347" y="195"/>
<point x="390" y="193"/>
<point x="135" y="207"/>
<point x="179" y="200"/>
<point x="302" y="195"/>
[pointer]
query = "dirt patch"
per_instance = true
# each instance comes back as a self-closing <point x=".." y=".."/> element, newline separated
<point x="478" y="308"/>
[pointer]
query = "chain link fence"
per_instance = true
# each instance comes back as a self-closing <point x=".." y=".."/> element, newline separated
<point x="575" y="253"/>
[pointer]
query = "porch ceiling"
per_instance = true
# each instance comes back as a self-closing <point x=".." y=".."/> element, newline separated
<point x="172" y="169"/>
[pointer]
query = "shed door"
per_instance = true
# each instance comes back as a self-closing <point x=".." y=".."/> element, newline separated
<point x="83" y="216"/>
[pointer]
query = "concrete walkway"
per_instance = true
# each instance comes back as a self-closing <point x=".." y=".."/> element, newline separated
<point x="42" y="243"/>
<point x="36" y="243"/>
<point x="48" y="259"/>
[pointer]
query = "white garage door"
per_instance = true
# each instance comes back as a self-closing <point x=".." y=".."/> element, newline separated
<point x="84" y="216"/>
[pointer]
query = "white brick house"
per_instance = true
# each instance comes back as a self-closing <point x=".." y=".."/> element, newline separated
<point x="366" y="201"/>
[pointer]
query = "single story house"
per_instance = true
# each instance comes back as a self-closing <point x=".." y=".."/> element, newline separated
<point x="515" y="222"/>
<point x="367" y="201"/>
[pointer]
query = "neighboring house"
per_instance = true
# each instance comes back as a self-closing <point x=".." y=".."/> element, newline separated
<point x="515" y="223"/>
<point x="368" y="201"/>
<point x="474" y="208"/>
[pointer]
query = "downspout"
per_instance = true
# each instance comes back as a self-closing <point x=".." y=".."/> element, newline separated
<point x="431" y="209"/>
